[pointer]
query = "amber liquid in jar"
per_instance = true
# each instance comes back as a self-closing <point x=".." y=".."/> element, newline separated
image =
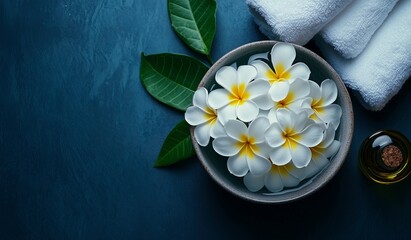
<point x="384" y="157"/>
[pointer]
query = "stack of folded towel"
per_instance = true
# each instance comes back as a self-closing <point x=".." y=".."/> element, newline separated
<point x="367" y="42"/>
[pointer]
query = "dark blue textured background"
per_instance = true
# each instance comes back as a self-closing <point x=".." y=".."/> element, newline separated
<point x="79" y="135"/>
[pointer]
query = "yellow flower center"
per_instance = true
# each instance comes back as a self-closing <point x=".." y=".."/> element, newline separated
<point x="247" y="146"/>
<point x="286" y="101"/>
<point x="316" y="151"/>
<point x="291" y="138"/>
<point x="316" y="103"/>
<point x="238" y="95"/>
<point x="280" y="74"/>
<point x="210" y="115"/>
<point x="316" y="106"/>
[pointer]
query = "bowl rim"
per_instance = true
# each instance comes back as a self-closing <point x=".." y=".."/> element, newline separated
<point x="328" y="173"/>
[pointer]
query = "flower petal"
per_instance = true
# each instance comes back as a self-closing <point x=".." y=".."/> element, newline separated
<point x="217" y="130"/>
<point x="331" y="113"/>
<point x="311" y="136"/>
<point x="247" y="111"/>
<point x="316" y="119"/>
<point x="329" y="135"/>
<point x="310" y="170"/>
<point x="218" y="98"/>
<point x="274" y="135"/>
<point x="286" y="118"/>
<point x="295" y="106"/>
<point x="321" y="161"/>
<point x="264" y="71"/>
<point x="299" y="70"/>
<point x="257" y="129"/>
<point x="335" y="123"/>
<point x="236" y="130"/>
<point x="315" y="166"/>
<point x="298" y="173"/>
<point x="301" y="155"/>
<point x="258" y="165"/>
<point x="200" y="98"/>
<point x="253" y="183"/>
<point x="195" y="116"/>
<point x="282" y="56"/>
<point x="257" y="56"/>
<point x="226" y="77"/>
<point x="272" y="115"/>
<point x="280" y="155"/>
<point x="263" y="113"/>
<point x="315" y="91"/>
<point x="258" y="88"/>
<point x="273" y="180"/>
<point x="301" y="121"/>
<point x="329" y="92"/>
<point x="202" y="134"/>
<point x="306" y="105"/>
<point x="226" y="146"/>
<point x="279" y="90"/>
<point x="299" y="88"/>
<point x="288" y="179"/>
<point x="245" y="74"/>
<point x="332" y="149"/>
<point x="262" y="149"/>
<point x="264" y="102"/>
<point x="237" y="165"/>
<point x="226" y="113"/>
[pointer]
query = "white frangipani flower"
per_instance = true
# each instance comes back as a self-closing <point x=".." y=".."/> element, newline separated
<point x="238" y="92"/>
<point x="322" y="152"/>
<point x="258" y="56"/>
<point x="282" y="58"/>
<point x="290" y="97"/>
<point x="320" y="104"/>
<point x="204" y="118"/>
<point x="245" y="147"/>
<point x="276" y="179"/>
<point x="291" y="137"/>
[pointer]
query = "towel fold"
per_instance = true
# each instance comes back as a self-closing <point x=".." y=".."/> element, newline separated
<point x="350" y="31"/>
<point x="294" y="20"/>
<point x="379" y="72"/>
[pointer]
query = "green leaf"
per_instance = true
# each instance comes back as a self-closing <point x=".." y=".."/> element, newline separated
<point x="171" y="78"/>
<point x="176" y="147"/>
<point x="195" y="22"/>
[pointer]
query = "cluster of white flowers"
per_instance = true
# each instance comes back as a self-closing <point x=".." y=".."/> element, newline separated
<point x="275" y="125"/>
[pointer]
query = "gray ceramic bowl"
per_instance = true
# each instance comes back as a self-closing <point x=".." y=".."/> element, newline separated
<point x="216" y="165"/>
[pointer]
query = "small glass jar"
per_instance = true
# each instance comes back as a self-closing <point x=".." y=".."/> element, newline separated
<point x="384" y="157"/>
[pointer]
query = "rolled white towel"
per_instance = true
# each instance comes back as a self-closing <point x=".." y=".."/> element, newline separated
<point x="294" y="21"/>
<point x="350" y="31"/>
<point x="378" y="73"/>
